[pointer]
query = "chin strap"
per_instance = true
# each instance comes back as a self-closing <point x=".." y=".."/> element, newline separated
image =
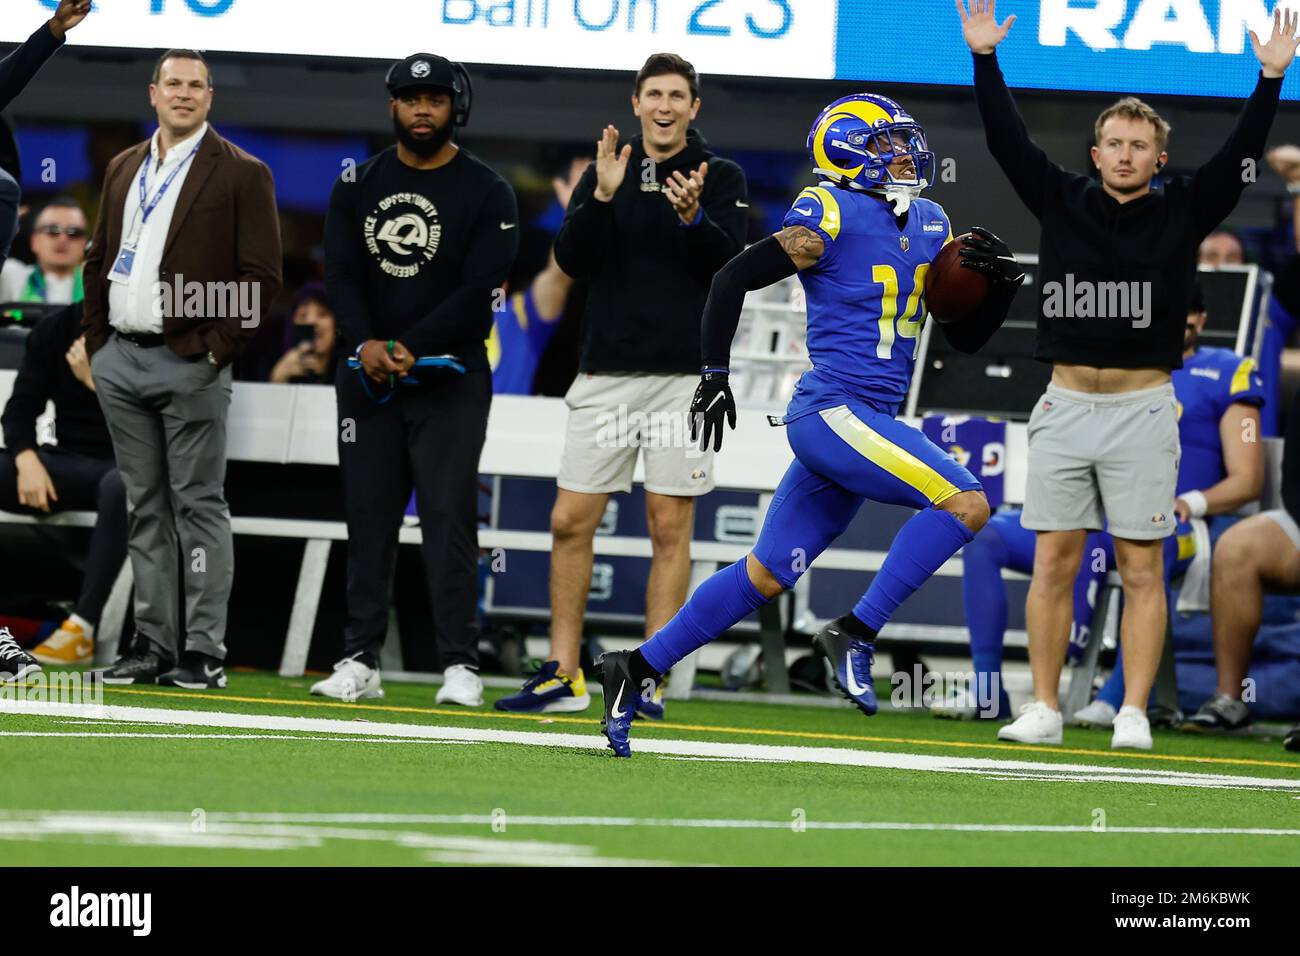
<point x="900" y="196"/>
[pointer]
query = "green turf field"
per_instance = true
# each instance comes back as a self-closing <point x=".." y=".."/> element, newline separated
<point x="169" y="777"/>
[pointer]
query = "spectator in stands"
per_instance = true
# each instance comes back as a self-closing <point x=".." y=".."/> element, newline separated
<point x="1259" y="552"/>
<point x="184" y="210"/>
<point x="310" y="340"/>
<point x="16" y="71"/>
<point x="1223" y="247"/>
<point x="417" y="244"/>
<point x="649" y="224"/>
<point x="77" y="473"/>
<point x="59" y="245"/>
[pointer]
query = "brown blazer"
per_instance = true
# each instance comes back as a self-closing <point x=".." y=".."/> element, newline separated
<point x="225" y="229"/>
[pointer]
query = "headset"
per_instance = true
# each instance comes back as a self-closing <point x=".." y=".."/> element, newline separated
<point x="462" y="91"/>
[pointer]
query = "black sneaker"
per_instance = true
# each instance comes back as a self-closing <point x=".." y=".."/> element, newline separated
<point x="15" y="663"/>
<point x="137" y="667"/>
<point x="1292" y="740"/>
<point x="1218" y="714"/>
<point x="195" y="672"/>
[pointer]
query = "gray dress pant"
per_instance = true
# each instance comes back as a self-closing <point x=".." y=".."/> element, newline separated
<point x="167" y="416"/>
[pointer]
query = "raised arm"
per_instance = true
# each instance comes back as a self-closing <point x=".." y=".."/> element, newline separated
<point x="1023" y="161"/>
<point x="1218" y="184"/>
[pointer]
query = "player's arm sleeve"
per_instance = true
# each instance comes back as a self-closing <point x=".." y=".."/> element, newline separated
<point x="970" y="334"/>
<point x="345" y="264"/>
<point x="757" y="267"/>
<point x="718" y="233"/>
<point x="1023" y="160"/>
<point x="18" y="68"/>
<point x="586" y="231"/>
<point x="33" y="387"/>
<point x="1216" y="186"/>
<point x="466" y="314"/>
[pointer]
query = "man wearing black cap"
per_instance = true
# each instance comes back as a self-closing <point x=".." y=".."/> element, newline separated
<point x="418" y="241"/>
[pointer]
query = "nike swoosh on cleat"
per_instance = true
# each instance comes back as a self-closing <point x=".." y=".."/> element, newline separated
<point x="856" y="689"/>
<point x="507" y="225"/>
<point x="615" y="712"/>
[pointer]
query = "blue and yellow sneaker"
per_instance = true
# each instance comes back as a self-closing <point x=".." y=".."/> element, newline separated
<point x="653" y="709"/>
<point x="550" y="690"/>
<point x="849" y="659"/>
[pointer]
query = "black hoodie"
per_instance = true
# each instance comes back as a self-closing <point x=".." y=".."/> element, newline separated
<point x="650" y="274"/>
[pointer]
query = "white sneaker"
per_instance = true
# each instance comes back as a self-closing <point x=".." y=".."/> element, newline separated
<point x="1132" y="730"/>
<point x="1037" y="724"/>
<point x="461" y="685"/>
<point x="1097" y="714"/>
<point x="351" y="681"/>
<point x="958" y="704"/>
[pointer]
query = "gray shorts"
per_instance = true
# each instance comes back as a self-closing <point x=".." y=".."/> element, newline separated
<point x="1103" y="459"/>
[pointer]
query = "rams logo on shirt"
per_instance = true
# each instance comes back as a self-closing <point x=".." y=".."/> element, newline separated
<point x="403" y="233"/>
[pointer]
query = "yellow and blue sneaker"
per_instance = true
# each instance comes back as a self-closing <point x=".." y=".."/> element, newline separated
<point x="550" y="690"/>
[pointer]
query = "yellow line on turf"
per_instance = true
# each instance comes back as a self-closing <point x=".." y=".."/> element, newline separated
<point x="706" y="728"/>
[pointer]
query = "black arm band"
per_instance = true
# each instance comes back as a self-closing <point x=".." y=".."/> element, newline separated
<point x="971" y="333"/>
<point x="757" y="267"/>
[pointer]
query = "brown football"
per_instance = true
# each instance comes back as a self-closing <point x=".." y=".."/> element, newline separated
<point x="952" y="291"/>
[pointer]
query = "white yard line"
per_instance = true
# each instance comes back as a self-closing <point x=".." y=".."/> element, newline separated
<point x="839" y="756"/>
<point x="311" y="829"/>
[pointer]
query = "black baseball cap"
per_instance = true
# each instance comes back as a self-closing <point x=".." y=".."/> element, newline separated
<point x="422" y="71"/>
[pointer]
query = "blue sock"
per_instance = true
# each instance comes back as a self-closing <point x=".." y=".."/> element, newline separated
<point x="922" y="545"/>
<point x="1112" y="692"/>
<point x="984" y="596"/>
<point x="722" y="601"/>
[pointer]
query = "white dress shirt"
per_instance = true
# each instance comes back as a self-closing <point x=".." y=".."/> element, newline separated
<point x="131" y="304"/>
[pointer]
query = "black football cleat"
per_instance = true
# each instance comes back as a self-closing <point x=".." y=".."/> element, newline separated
<point x="849" y="659"/>
<point x="622" y="700"/>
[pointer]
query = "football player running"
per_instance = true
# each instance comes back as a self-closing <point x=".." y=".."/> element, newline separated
<point x="862" y="242"/>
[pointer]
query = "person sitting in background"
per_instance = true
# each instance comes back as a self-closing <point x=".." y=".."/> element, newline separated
<point x="78" y="473"/>
<point x="1262" y="551"/>
<point x="1223" y="247"/>
<point x="59" y="244"/>
<point x="310" y="340"/>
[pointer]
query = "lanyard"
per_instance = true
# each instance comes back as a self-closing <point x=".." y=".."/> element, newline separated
<point x="450" y="362"/>
<point x="146" y="210"/>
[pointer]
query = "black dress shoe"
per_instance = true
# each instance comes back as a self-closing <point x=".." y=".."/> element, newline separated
<point x="195" y="672"/>
<point x="142" y="667"/>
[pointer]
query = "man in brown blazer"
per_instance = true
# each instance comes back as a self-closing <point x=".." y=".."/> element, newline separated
<point x="185" y="257"/>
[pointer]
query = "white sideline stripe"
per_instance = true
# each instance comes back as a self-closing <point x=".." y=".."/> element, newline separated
<point x="176" y="830"/>
<point x="136" y="734"/>
<point x="839" y="756"/>
<point x="321" y="826"/>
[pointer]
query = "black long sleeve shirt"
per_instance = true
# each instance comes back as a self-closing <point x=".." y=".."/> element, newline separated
<point x="418" y="255"/>
<point x="1090" y="241"/>
<point x="45" y="376"/>
<point x="650" y="273"/>
<point x="18" y="68"/>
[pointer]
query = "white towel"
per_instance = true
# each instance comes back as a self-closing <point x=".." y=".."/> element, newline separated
<point x="1195" y="592"/>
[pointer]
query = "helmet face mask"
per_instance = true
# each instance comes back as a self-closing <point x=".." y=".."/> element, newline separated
<point x="863" y="142"/>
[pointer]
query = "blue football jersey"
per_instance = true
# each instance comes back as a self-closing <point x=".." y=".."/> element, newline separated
<point x="1210" y="381"/>
<point x="865" y="297"/>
